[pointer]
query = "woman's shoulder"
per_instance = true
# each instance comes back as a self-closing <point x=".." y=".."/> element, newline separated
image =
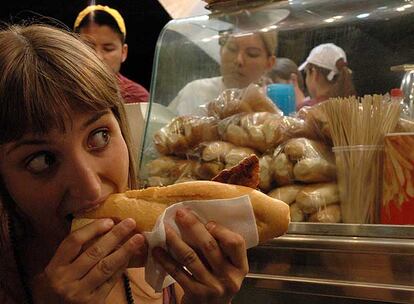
<point x="213" y="82"/>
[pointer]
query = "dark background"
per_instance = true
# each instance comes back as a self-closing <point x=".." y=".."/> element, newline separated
<point x="144" y="21"/>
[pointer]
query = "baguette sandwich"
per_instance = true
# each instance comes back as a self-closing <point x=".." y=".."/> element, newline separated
<point x="146" y="205"/>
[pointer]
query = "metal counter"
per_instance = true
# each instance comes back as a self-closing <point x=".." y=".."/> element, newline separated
<point x="333" y="263"/>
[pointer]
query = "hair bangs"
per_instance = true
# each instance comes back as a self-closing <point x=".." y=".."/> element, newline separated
<point x="39" y="103"/>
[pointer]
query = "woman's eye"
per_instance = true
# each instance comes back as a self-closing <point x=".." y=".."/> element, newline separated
<point x="108" y="50"/>
<point x="98" y="139"/>
<point x="253" y="54"/>
<point x="41" y="162"/>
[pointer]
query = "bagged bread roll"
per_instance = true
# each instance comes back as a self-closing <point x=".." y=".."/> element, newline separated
<point x="167" y="170"/>
<point x="327" y="214"/>
<point x="184" y="133"/>
<point x="313" y="197"/>
<point x="248" y="100"/>
<point x="282" y="169"/>
<point x="300" y="148"/>
<point x="215" y="150"/>
<point x="296" y="214"/>
<point x="155" y="181"/>
<point x="162" y="166"/>
<point x="146" y="205"/>
<point x="247" y="130"/>
<point x="316" y="122"/>
<point x="207" y="170"/>
<point x="314" y="170"/>
<point x="286" y="194"/>
<point x="266" y="174"/>
<point x="236" y="154"/>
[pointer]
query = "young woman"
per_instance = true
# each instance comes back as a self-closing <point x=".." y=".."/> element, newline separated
<point x="64" y="148"/>
<point x="327" y="74"/>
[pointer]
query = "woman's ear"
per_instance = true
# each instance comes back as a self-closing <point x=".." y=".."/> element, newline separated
<point x="124" y="52"/>
<point x="271" y="61"/>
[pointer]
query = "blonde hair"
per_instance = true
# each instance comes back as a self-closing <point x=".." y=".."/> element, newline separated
<point x="269" y="39"/>
<point x="45" y="74"/>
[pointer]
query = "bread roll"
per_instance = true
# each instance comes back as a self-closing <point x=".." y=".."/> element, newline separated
<point x="282" y="169"/>
<point x="216" y="150"/>
<point x="314" y="170"/>
<point x="300" y="148"/>
<point x="313" y="197"/>
<point x="184" y="133"/>
<point x="144" y="206"/>
<point x="235" y="155"/>
<point x="328" y="214"/>
<point x="286" y="194"/>
<point x="296" y="214"/>
<point x="266" y="176"/>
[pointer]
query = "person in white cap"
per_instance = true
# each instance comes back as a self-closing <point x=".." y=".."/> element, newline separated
<point x="327" y="74"/>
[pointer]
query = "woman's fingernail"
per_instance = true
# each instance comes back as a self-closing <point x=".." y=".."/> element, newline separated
<point x="129" y="223"/>
<point x="138" y="239"/>
<point x="108" y="223"/>
<point x="210" y="225"/>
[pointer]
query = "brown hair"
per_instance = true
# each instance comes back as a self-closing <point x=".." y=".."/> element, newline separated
<point x="45" y="74"/>
<point x="283" y="69"/>
<point x="342" y="84"/>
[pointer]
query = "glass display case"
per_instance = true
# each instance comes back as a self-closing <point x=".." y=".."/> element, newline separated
<point x="315" y="262"/>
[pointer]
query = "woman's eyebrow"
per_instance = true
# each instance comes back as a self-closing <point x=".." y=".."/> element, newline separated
<point x="94" y="118"/>
<point x="27" y="142"/>
<point x="33" y="142"/>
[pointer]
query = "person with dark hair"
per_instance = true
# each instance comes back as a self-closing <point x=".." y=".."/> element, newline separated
<point x="286" y="71"/>
<point x="103" y="28"/>
<point x="327" y="74"/>
<point x="64" y="149"/>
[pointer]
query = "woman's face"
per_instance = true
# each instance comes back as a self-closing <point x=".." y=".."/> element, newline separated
<point x="57" y="174"/>
<point x="311" y="81"/>
<point x="244" y="60"/>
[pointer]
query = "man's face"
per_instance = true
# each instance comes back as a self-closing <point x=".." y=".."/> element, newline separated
<point x="106" y="43"/>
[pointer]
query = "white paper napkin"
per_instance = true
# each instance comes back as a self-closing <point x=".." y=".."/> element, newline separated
<point x="235" y="214"/>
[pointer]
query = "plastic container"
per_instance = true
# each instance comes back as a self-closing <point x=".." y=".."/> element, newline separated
<point x="398" y="184"/>
<point x="283" y="96"/>
<point x="397" y="95"/>
<point x="359" y="174"/>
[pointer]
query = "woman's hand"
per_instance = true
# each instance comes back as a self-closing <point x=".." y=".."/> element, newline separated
<point x="89" y="262"/>
<point x="214" y="256"/>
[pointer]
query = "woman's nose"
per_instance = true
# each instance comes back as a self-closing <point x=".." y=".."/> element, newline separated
<point x="239" y="58"/>
<point x="84" y="181"/>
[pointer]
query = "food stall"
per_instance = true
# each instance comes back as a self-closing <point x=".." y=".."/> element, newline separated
<point x="351" y="240"/>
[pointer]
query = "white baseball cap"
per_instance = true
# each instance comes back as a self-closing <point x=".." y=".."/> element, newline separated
<point x="325" y="56"/>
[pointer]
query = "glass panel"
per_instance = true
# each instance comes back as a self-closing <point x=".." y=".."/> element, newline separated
<point x="376" y="36"/>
